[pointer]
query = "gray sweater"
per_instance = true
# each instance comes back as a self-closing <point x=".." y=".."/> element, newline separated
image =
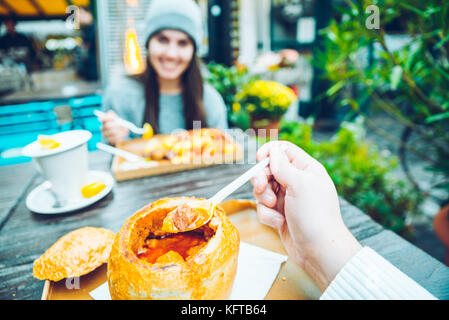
<point x="126" y="97"/>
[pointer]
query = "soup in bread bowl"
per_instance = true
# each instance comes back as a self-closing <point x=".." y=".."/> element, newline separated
<point x="147" y="262"/>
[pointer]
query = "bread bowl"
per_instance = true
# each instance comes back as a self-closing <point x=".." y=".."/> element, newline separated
<point x="148" y="263"/>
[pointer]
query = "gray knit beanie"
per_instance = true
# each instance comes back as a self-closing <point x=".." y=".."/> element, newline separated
<point x="183" y="15"/>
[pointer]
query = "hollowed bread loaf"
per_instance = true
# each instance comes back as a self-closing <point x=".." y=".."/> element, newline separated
<point x="148" y="263"/>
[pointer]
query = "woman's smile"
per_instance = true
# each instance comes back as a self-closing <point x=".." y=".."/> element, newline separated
<point x="169" y="65"/>
<point x="170" y="53"/>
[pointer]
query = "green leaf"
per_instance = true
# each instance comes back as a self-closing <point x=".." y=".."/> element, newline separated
<point x="354" y="104"/>
<point x="437" y="117"/>
<point x="395" y="78"/>
<point x="444" y="185"/>
<point x="442" y="42"/>
<point x="431" y="10"/>
<point x="335" y="88"/>
<point x="241" y="120"/>
<point x="414" y="9"/>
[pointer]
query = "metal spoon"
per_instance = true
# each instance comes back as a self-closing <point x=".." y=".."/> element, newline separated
<point x="119" y="152"/>
<point x="131" y="126"/>
<point x="168" y="223"/>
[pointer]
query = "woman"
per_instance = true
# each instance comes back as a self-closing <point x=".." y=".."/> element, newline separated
<point x="170" y="93"/>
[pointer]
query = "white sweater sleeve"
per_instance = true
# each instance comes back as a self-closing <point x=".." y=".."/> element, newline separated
<point x="368" y="276"/>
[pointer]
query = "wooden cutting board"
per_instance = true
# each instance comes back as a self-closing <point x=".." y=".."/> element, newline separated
<point x="136" y="146"/>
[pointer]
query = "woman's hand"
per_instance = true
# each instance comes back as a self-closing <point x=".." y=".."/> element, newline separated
<point x="296" y="196"/>
<point x="112" y="131"/>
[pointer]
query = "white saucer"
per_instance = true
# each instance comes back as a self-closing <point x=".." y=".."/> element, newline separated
<point x="41" y="200"/>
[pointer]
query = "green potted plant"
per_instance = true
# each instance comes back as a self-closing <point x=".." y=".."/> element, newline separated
<point x="362" y="173"/>
<point x="265" y="102"/>
<point x="409" y="82"/>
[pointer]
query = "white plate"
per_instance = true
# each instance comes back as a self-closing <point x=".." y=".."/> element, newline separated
<point x="41" y="200"/>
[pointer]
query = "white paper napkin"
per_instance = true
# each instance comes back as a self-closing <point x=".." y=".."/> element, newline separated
<point x="257" y="268"/>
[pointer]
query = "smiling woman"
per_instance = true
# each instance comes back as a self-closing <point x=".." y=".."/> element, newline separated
<point x="170" y="93"/>
<point x="171" y="52"/>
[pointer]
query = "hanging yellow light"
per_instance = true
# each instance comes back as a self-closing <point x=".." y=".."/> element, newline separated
<point x="132" y="57"/>
<point x="132" y="3"/>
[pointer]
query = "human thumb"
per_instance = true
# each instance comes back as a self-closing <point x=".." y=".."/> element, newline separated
<point x="283" y="171"/>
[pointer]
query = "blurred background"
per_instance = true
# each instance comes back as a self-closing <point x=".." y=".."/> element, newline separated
<point x="371" y="80"/>
<point x="57" y="56"/>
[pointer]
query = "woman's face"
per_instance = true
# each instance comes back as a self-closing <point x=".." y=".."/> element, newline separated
<point x="170" y="53"/>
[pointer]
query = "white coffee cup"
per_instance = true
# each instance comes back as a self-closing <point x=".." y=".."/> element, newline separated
<point x="65" y="166"/>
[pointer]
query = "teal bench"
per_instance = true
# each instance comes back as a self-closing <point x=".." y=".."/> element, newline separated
<point x="21" y="124"/>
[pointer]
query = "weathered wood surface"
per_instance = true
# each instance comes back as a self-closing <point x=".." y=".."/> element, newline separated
<point x="14" y="183"/>
<point x="24" y="236"/>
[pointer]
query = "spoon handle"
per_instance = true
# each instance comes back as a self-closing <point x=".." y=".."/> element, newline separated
<point x="240" y="181"/>
<point x="131" y="126"/>
<point x="118" y="152"/>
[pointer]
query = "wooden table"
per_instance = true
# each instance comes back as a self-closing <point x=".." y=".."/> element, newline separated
<point x="24" y="236"/>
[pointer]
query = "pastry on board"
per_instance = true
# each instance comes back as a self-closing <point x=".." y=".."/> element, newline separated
<point x="74" y="254"/>
<point x="149" y="263"/>
<point x="188" y="146"/>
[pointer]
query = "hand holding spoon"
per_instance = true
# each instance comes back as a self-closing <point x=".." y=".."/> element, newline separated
<point x="146" y="131"/>
<point x="185" y="218"/>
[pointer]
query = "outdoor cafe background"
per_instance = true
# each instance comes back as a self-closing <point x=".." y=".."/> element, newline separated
<point x="299" y="43"/>
<point x="75" y="57"/>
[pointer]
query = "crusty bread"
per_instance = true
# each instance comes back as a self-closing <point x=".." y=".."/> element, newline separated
<point x="206" y="272"/>
<point x="74" y="254"/>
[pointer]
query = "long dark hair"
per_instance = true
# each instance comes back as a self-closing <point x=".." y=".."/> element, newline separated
<point x="192" y="94"/>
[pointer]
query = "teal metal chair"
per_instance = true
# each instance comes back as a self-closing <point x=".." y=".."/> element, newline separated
<point x="21" y="124"/>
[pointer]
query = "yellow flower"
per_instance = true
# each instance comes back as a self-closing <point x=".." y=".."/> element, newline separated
<point x="250" y="108"/>
<point x="271" y="97"/>
<point x="236" y="107"/>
